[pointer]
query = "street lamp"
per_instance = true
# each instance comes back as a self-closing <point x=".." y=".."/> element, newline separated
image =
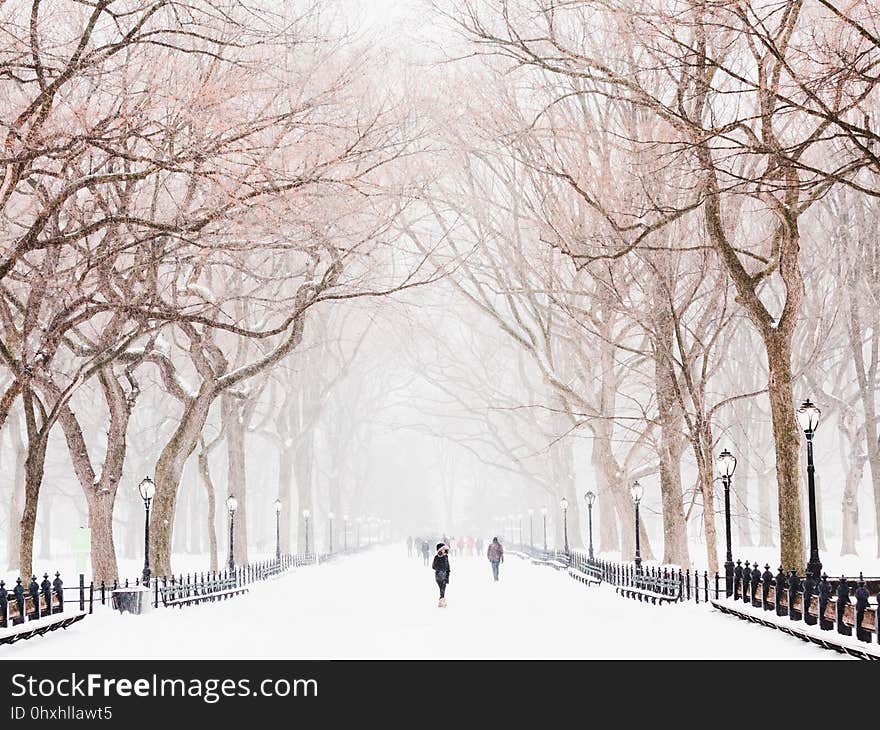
<point x="808" y="416"/>
<point x="544" y="517"/>
<point x="520" y="517"/>
<point x="358" y="522"/>
<point x="531" y="529"/>
<point x="330" y="517"/>
<point x="278" y="530"/>
<point x="636" y="491"/>
<point x="231" y="505"/>
<point x="564" y="504"/>
<point x="305" y="514"/>
<point x="147" y="489"/>
<point x="727" y="465"/>
<point x="590" y="498"/>
<point x="345" y="534"/>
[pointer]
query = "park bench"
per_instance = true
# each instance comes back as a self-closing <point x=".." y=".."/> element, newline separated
<point x="33" y="611"/>
<point x="179" y="593"/>
<point x="657" y="589"/>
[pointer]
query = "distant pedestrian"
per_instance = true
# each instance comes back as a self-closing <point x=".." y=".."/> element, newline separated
<point x="495" y="553"/>
<point x="460" y="544"/>
<point x="409" y="546"/>
<point x="441" y="571"/>
<point x="470" y="545"/>
<point x="425" y="547"/>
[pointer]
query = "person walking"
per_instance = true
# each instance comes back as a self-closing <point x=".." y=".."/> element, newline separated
<point x="495" y="553"/>
<point x="409" y="546"/>
<point x="441" y="571"/>
<point x="425" y="548"/>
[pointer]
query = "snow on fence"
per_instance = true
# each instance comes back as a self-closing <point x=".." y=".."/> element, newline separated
<point x="191" y="588"/>
<point x="37" y="609"/>
<point x="651" y="584"/>
<point x="822" y="612"/>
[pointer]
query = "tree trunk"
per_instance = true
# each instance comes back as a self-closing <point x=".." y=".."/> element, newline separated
<point x="33" y="480"/>
<point x="787" y="441"/>
<point x="236" y="480"/>
<point x="211" y="517"/>
<point x="604" y="516"/>
<point x="849" y="502"/>
<point x="740" y="494"/>
<point x="707" y="490"/>
<point x="16" y="500"/>
<point x="46" y="529"/>
<point x="169" y="469"/>
<point x="285" y="478"/>
<point x="303" y="461"/>
<point x="103" y="552"/>
<point x="675" y="549"/>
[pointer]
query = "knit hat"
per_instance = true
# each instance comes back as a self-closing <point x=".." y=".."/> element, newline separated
<point x="440" y="545"/>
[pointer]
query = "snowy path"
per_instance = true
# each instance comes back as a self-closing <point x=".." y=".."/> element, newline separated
<point x="382" y="604"/>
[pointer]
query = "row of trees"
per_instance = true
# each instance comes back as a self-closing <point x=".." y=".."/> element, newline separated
<point x="669" y="209"/>
<point x="185" y="185"/>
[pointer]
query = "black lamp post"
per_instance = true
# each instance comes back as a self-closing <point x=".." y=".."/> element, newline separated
<point x="330" y="541"/>
<point x="564" y="504"/>
<point x="636" y="491"/>
<point x="808" y="416"/>
<point x="345" y="534"/>
<point x="727" y="465"/>
<point x="531" y="528"/>
<point x="590" y="498"/>
<point x="278" y="530"/>
<point x="306" y="514"/>
<point x="544" y="517"/>
<point x="147" y="489"/>
<point x="231" y="505"/>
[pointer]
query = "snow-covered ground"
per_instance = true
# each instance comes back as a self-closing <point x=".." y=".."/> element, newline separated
<point x="381" y="604"/>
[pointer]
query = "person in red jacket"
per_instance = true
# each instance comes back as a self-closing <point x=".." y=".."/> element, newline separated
<point x="495" y="553"/>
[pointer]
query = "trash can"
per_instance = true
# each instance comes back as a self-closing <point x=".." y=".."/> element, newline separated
<point x="134" y="600"/>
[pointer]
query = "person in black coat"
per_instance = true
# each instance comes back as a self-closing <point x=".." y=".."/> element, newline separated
<point x="441" y="571"/>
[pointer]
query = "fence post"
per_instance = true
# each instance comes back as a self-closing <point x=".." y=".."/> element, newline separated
<point x="808" y="599"/>
<point x="91" y="596"/>
<point x="4" y="613"/>
<point x="861" y="607"/>
<point x="156" y="593"/>
<point x="46" y="587"/>
<point x="766" y="581"/>
<point x="794" y="584"/>
<point x="103" y="592"/>
<point x="18" y="592"/>
<point x="824" y="596"/>
<point x="717" y="577"/>
<point x="780" y="589"/>
<point x="842" y="601"/>
<point x="756" y="580"/>
<point x="737" y="580"/>
<point x="82" y="592"/>
<point x="58" y="585"/>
